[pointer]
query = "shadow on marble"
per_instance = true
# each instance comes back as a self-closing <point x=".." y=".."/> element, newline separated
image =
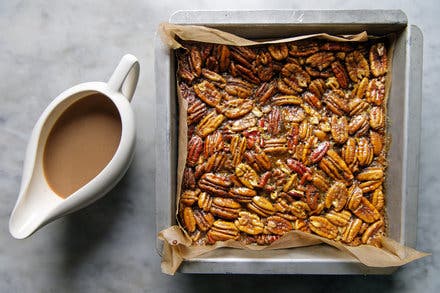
<point x="288" y="283"/>
<point x="89" y="229"/>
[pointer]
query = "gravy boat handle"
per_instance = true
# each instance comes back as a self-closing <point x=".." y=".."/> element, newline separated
<point x="125" y="77"/>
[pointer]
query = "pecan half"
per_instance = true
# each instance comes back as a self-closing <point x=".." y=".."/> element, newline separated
<point x="321" y="135"/>
<point x="196" y="61"/>
<point x="364" y="152"/>
<point x="332" y="83"/>
<point x="357" y="106"/>
<point x="249" y="223"/>
<point x="355" y="195"/>
<point x="340" y="219"/>
<point x="348" y="151"/>
<point x="375" y="92"/>
<point x="286" y="100"/>
<point x="284" y="88"/>
<point x="303" y="48"/>
<point x="263" y="66"/>
<point x="213" y="143"/>
<point x="366" y="211"/>
<point x="274" y="145"/>
<point x="189" y="222"/>
<point x="214" y="77"/>
<point x="312" y="100"/>
<point x="297" y="166"/>
<point x="246" y="72"/>
<point x="305" y="130"/>
<point x="265" y="92"/>
<point x="319" y="152"/>
<point x="340" y="74"/>
<point x="222" y="231"/>
<point x="223" y="56"/>
<point x="205" y="201"/>
<point x="317" y="87"/>
<point x="351" y="231"/>
<point x="214" y="162"/>
<point x="339" y="129"/>
<point x="323" y="227"/>
<point x="312" y="197"/>
<point x="208" y="93"/>
<point x="377" y="118"/>
<point x="358" y="125"/>
<point x="247" y="175"/>
<point x="294" y="76"/>
<point x="320" y="182"/>
<point x="277" y="225"/>
<point x="263" y="161"/>
<point x="378" y="199"/>
<point x="188" y="180"/>
<point x="204" y="220"/>
<point x="371" y="185"/>
<point x="214" y="184"/>
<point x="360" y="89"/>
<point x="184" y="71"/>
<point x="196" y="111"/>
<point x="195" y="147"/>
<point x="238" y="87"/>
<point x="335" y="167"/>
<point x="377" y="142"/>
<point x="275" y="124"/>
<point x="225" y="208"/>
<point x="357" y="66"/>
<point x="335" y="101"/>
<point x="242" y="194"/>
<point x="209" y="124"/>
<point x="300" y="209"/>
<point x="278" y="51"/>
<point x="371" y="231"/>
<point x="321" y="60"/>
<point x="378" y="59"/>
<point x="238" y="147"/>
<point x="189" y="197"/>
<point x="261" y="206"/>
<point x="242" y="56"/>
<point x="244" y="123"/>
<point x="336" y="196"/>
<point x="205" y="51"/>
<point x="371" y="173"/>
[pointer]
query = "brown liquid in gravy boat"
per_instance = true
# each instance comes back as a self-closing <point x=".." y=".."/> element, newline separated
<point x="81" y="143"/>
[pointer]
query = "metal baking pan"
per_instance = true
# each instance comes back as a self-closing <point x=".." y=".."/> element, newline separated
<point x="404" y="109"/>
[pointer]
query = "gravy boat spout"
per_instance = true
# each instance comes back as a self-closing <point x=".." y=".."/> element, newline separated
<point x="38" y="203"/>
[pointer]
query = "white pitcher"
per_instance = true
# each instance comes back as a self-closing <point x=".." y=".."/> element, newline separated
<point x="37" y="203"/>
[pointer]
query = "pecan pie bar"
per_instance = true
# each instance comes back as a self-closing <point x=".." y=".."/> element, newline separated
<point x="282" y="137"/>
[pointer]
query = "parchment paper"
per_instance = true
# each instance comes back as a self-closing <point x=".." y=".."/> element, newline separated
<point x="178" y="246"/>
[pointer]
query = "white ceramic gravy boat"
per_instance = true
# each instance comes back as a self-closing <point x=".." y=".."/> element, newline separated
<point x="37" y="203"/>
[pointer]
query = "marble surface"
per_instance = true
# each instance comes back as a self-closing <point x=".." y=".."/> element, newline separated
<point x="47" y="46"/>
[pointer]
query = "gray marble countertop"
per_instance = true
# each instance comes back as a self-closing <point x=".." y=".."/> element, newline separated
<point x="48" y="46"/>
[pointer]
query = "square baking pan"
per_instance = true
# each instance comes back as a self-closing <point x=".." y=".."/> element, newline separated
<point x="404" y="108"/>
